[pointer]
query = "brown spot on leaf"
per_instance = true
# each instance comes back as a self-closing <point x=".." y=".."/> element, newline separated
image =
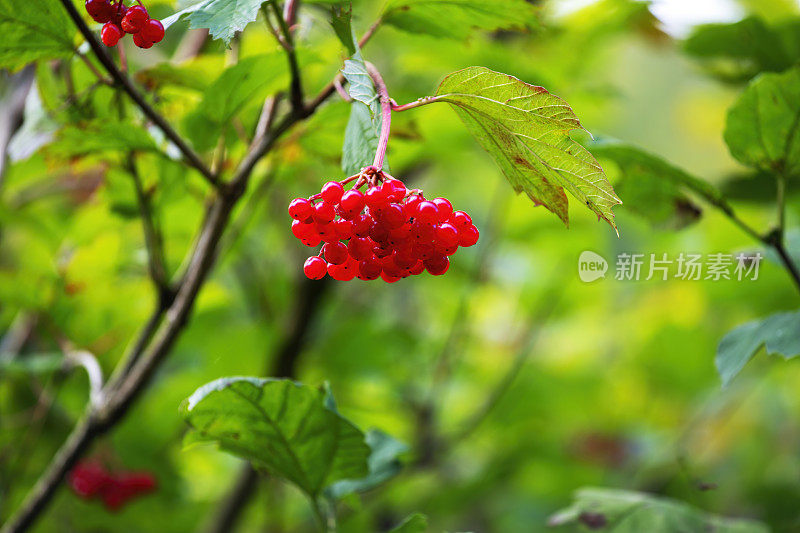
<point x="593" y="520"/>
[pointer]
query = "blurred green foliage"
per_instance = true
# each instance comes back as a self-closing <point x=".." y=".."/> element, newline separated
<point x="511" y="381"/>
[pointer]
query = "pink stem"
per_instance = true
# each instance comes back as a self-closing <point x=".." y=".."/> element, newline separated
<point x="386" y="114"/>
<point x="289" y="12"/>
<point x="418" y="103"/>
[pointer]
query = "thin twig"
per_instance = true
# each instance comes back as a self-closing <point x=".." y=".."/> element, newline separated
<point x="296" y="85"/>
<point x="125" y="83"/>
<point x="154" y="240"/>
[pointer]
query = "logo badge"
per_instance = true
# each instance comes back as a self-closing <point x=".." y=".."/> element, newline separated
<point x="591" y="266"/>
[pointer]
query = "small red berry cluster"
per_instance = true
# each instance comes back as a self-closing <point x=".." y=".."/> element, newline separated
<point x="388" y="232"/>
<point x="118" y="20"/>
<point x="91" y="480"/>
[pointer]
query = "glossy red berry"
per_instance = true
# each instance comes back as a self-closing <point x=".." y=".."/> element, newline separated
<point x="437" y="265"/>
<point x="376" y="197"/>
<point x="100" y="10"/>
<point x="445" y="208"/>
<point x="447" y="235"/>
<point x="111" y="34"/>
<point x="301" y="209"/>
<point x="324" y="212"/>
<point x="332" y="192"/>
<point x="345" y="271"/>
<point x="352" y="201"/>
<point x="460" y="220"/>
<point x="315" y="268"/>
<point x="335" y="253"/>
<point x="141" y="42"/>
<point x="427" y="212"/>
<point x="369" y="269"/>
<point x="468" y="236"/>
<point x="153" y="31"/>
<point x="395" y="190"/>
<point x="134" y="19"/>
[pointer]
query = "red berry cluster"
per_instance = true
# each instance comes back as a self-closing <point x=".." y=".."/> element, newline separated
<point x="91" y="479"/>
<point x="388" y="231"/>
<point x="118" y="20"/>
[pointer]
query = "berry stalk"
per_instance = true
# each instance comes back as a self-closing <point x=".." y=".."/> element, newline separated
<point x="386" y="115"/>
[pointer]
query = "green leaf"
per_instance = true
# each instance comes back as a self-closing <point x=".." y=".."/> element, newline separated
<point x="101" y="136"/>
<point x="739" y="51"/>
<point x="281" y="425"/>
<point x="364" y="126"/>
<point x="777" y="333"/>
<point x="526" y="130"/>
<point x="384" y="464"/>
<point x="455" y="19"/>
<point x="762" y="126"/>
<point x="342" y="23"/>
<point x="251" y="79"/>
<point x="416" y="523"/>
<point x="653" y="188"/>
<point x="33" y="31"/>
<point x="621" y="511"/>
<point x="223" y="18"/>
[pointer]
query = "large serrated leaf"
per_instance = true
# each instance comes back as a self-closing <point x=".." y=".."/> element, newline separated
<point x="455" y="19"/>
<point x="622" y="511"/>
<point x="526" y="130"/>
<point x="223" y="18"/>
<point x="281" y="425"/>
<point x="763" y="126"/>
<point x="777" y="333"/>
<point x="32" y="31"/>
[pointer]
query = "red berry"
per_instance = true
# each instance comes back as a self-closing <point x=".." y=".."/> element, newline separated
<point x="335" y="253"/>
<point x="153" y="31"/>
<point x="324" y="212"/>
<point x="393" y="216"/>
<point x="88" y="479"/>
<point x="410" y="207"/>
<point x="327" y="232"/>
<point x="315" y="268"/>
<point x="140" y="41"/>
<point x="376" y="197"/>
<point x="302" y="230"/>
<point x="369" y="269"/>
<point x="111" y="34"/>
<point x="100" y="10"/>
<point x="395" y="190"/>
<point x="344" y="229"/>
<point x="361" y="225"/>
<point x="447" y="235"/>
<point x="301" y="209"/>
<point x="460" y="220"/>
<point x="437" y="265"/>
<point x="352" y="201"/>
<point x="134" y="19"/>
<point x="468" y="236"/>
<point x="445" y="208"/>
<point x="388" y="278"/>
<point x="417" y="269"/>
<point x="427" y="212"/>
<point x="345" y="271"/>
<point x="360" y="248"/>
<point x="332" y="192"/>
